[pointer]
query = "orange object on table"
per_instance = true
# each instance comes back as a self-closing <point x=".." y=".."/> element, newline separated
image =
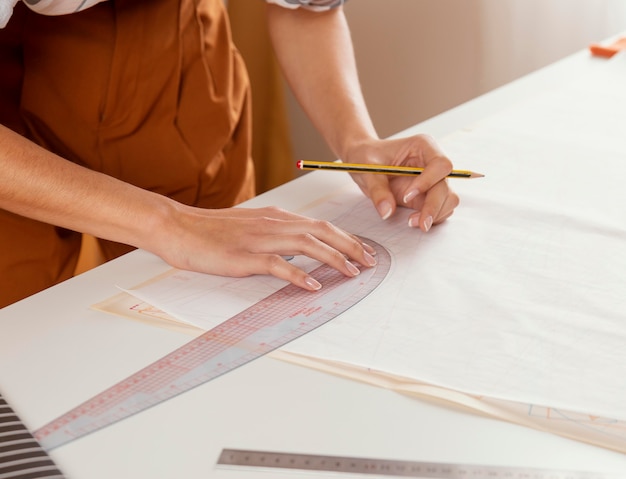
<point x="608" y="51"/>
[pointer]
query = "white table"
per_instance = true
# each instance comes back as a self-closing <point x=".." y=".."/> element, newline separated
<point x="55" y="352"/>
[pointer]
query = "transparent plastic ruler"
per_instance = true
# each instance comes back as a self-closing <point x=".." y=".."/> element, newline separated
<point x="241" y="459"/>
<point x="267" y="325"/>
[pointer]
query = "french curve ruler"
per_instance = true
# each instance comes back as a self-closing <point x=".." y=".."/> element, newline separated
<point x="265" y="326"/>
<point x="242" y="459"/>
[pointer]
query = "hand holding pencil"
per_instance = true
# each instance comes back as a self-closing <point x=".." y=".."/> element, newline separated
<point x="410" y="172"/>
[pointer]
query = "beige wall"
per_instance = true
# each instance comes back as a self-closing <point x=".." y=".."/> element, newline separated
<point x="418" y="58"/>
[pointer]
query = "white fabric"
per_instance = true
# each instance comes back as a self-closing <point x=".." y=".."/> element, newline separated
<point x="6" y="10"/>
<point x="65" y="7"/>
<point x="314" y="5"/>
<point x="60" y="7"/>
<point x="45" y="7"/>
<point x="521" y="295"/>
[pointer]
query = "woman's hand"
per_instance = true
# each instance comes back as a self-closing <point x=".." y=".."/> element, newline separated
<point x="428" y="193"/>
<point x="241" y="242"/>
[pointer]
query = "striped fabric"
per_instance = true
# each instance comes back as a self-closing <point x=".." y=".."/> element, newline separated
<point x="21" y="456"/>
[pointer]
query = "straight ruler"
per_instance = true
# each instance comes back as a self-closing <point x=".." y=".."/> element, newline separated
<point x="265" y="326"/>
<point x="240" y="459"/>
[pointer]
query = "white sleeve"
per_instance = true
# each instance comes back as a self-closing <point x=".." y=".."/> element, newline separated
<point x="60" y="7"/>
<point x="6" y="10"/>
<point x="45" y="7"/>
<point x="315" y="5"/>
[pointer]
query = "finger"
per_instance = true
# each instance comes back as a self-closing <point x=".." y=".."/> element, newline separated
<point x="376" y="188"/>
<point x="437" y="166"/>
<point x="317" y="239"/>
<point x="269" y="213"/>
<point x="280" y="268"/>
<point x="345" y="243"/>
<point x="438" y="205"/>
<point x="447" y="209"/>
<point x="434" y="173"/>
<point x="334" y="252"/>
<point x="275" y="265"/>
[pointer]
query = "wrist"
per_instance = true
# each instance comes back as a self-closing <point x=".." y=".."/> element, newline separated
<point x="359" y="150"/>
<point x="160" y="226"/>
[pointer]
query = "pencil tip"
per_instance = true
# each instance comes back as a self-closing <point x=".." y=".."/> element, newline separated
<point x="477" y="175"/>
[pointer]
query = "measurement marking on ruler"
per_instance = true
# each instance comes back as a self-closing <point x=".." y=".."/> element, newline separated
<point x="267" y="325"/>
<point x="239" y="458"/>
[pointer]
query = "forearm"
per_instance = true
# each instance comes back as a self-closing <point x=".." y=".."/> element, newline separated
<point x="40" y="185"/>
<point x="231" y="241"/>
<point x="316" y="54"/>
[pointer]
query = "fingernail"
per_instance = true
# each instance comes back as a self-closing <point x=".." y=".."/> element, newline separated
<point x="369" y="248"/>
<point x="384" y="209"/>
<point x="312" y="283"/>
<point x="414" y="221"/>
<point x="353" y="269"/>
<point x="369" y="259"/>
<point x="410" y="195"/>
<point x="428" y="222"/>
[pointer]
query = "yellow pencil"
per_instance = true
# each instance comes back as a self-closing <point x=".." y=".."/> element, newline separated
<point x="380" y="169"/>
